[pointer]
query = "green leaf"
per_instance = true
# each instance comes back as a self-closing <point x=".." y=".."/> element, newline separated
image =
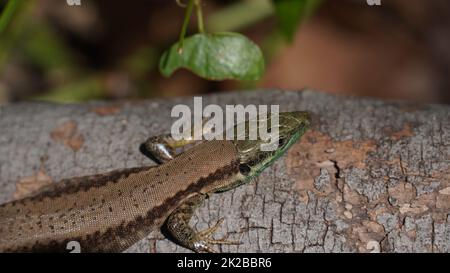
<point x="291" y="13"/>
<point x="217" y="56"/>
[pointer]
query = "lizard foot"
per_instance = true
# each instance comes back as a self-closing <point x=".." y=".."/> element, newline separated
<point x="204" y="241"/>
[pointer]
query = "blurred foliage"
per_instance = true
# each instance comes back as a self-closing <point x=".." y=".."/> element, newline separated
<point x="290" y="13"/>
<point x="46" y="65"/>
<point x="10" y="34"/>
<point x="86" y="89"/>
<point x="8" y="12"/>
<point x="141" y="62"/>
<point x="241" y="17"/>
<point x="44" y="48"/>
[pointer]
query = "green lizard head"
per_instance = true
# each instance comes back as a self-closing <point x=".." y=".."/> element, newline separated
<point x="254" y="158"/>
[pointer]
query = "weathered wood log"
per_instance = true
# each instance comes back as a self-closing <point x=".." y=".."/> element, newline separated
<point x="368" y="176"/>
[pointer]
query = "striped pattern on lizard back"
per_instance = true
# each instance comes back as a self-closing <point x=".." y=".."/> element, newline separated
<point x="110" y="212"/>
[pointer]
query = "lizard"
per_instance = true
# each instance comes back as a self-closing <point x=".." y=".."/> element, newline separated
<point x="110" y="212"/>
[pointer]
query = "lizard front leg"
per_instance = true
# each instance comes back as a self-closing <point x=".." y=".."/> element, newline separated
<point x="164" y="148"/>
<point x="159" y="148"/>
<point x="178" y="226"/>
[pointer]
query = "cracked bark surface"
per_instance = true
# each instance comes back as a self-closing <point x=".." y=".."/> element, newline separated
<point x="368" y="176"/>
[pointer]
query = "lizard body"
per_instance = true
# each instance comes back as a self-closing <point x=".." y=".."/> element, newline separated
<point x="112" y="211"/>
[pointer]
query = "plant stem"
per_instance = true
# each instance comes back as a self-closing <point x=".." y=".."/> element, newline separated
<point x="187" y="19"/>
<point x="7" y="14"/>
<point x="201" y="25"/>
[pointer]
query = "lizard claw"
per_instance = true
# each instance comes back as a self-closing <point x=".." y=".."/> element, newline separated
<point x="204" y="240"/>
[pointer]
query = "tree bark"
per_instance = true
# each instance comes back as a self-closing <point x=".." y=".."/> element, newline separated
<point x="368" y="176"/>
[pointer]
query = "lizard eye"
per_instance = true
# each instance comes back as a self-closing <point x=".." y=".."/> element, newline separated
<point x="244" y="169"/>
